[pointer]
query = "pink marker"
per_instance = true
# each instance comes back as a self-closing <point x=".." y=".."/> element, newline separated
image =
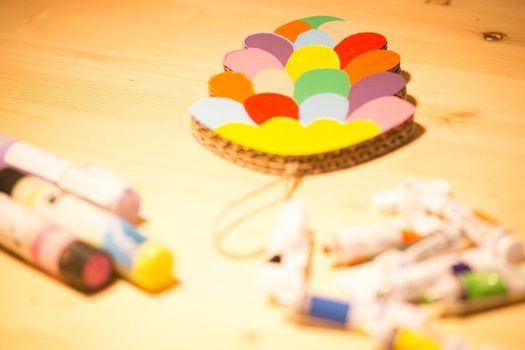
<point x="52" y="248"/>
<point x="92" y="183"/>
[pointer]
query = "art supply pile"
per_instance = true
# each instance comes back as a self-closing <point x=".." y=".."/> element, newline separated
<point x="75" y="222"/>
<point x="436" y="257"/>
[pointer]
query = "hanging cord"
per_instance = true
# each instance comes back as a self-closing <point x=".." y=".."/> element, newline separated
<point x="221" y="230"/>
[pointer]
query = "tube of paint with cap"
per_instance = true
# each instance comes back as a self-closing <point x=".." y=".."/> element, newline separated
<point x="414" y="280"/>
<point x="372" y="280"/>
<point x="410" y="282"/>
<point x="444" y="240"/>
<point x="468" y="286"/>
<point x="395" y="272"/>
<point x="392" y="275"/>
<point x="285" y="271"/>
<point x="290" y="242"/>
<point x="473" y="292"/>
<point x="372" y="318"/>
<point x="412" y="201"/>
<point x="495" y="238"/>
<point x="138" y="259"/>
<point x="360" y="243"/>
<point x="414" y="195"/>
<point x="52" y="248"/>
<point x="92" y="183"/>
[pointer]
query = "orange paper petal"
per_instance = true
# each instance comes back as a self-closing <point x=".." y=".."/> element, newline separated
<point x="236" y="86"/>
<point x="371" y="62"/>
<point x="292" y="29"/>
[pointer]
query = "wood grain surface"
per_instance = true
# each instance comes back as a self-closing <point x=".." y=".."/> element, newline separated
<point x="110" y="82"/>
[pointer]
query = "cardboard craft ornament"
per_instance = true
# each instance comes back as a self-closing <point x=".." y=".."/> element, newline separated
<point x="311" y="97"/>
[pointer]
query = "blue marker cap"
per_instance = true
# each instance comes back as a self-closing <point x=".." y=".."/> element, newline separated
<point x="460" y="268"/>
<point x="329" y="309"/>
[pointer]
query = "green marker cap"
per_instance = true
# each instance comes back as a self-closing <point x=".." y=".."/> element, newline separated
<point x="483" y="284"/>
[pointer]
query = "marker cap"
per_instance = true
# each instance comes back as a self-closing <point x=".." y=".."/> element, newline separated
<point x="85" y="267"/>
<point x="8" y="179"/>
<point x="460" y="268"/>
<point x="127" y="205"/>
<point x="152" y="267"/>
<point x="481" y="285"/>
<point x="410" y="339"/>
<point x="328" y="309"/>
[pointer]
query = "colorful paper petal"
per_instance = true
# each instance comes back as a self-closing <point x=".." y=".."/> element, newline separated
<point x="321" y="80"/>
<point x="262" y="107"/>
<point x="316" y="21"/>
<point x="250" y="61"/>
<point x="273" y="43"/>
<point x="314" y="37"/>
<point x="285" y="136"/>
<point x="357" y="44"/>
<point x="374" y="86"/>
<point x="371" y="62"/>
<point x="334" y="135"/>
<point x="214" y="112"/>
<point x="388" y="112"/>
<point x="326" y="105"/>
<point x="292" y="29"/>
<point x="273" y="80"/>
<point x="338" y="30"/>
<point x="236" y="86"/>
<point x="311" y="57"/>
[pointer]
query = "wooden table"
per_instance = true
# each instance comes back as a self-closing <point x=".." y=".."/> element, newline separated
<point x="110" y="82"/>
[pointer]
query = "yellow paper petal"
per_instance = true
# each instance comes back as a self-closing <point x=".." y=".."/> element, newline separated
<point x="243" y="134"/>
<point x="311" y="57"/>
<point x="278" y="135"/>
<point x="333" y="135"/>
<point x="285" y="136"/>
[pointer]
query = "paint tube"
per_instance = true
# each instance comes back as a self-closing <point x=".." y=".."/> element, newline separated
<point x="287" y="258"/>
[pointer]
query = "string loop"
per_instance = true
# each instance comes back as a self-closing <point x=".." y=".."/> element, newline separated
<point x="222" y="228"/>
